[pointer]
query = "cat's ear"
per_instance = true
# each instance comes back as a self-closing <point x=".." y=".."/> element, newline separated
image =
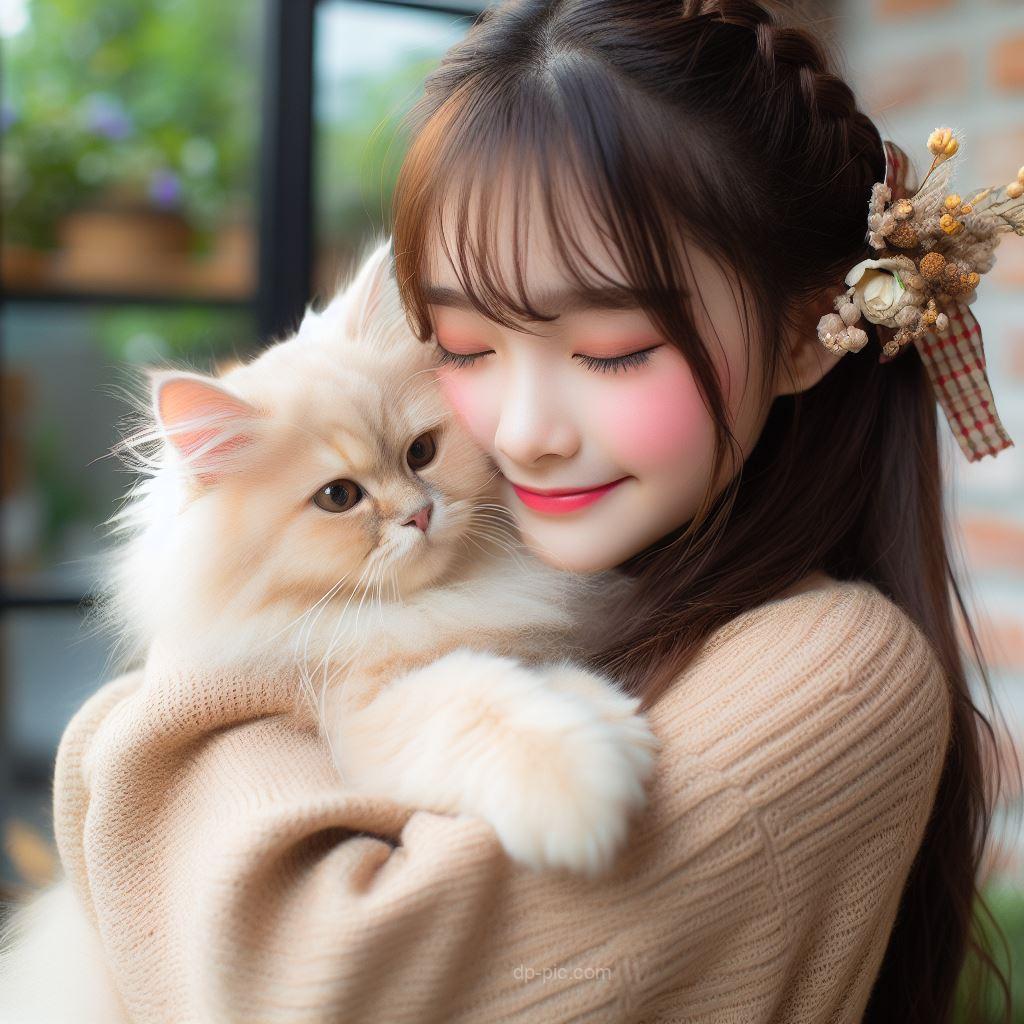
<point x="211" y="428"/>
<point x="363" y="303"/>
<point x="362" y="299"/>
<point x="372" y="277"/>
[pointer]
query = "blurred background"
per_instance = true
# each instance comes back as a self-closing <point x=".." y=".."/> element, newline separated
<point x="180" y="177"/>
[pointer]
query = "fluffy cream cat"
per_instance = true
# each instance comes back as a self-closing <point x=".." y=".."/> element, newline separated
<point x="318" y="512"/>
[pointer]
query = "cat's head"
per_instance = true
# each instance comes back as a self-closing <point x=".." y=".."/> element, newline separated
<point x="327" y="468"/>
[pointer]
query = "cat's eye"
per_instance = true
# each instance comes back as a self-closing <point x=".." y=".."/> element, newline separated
<point x="421" y="451"/>
<point x="338" y="495"/>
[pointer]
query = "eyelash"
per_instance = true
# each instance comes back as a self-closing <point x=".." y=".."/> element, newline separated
<point x="609" y="365"/>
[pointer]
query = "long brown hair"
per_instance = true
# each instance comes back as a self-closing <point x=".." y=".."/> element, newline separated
<point x="723" y="121"/>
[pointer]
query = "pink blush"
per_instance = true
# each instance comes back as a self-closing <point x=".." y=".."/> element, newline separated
<point x="468" y="401"/>
<point x="656" y="418"/>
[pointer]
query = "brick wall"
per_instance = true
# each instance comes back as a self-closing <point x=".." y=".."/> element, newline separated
<point x="916" y="65"/>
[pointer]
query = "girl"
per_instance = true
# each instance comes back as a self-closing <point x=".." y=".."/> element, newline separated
<point x="621" y="222"/>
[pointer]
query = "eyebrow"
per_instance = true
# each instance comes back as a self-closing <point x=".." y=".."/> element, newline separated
<point x="564" y="300"/>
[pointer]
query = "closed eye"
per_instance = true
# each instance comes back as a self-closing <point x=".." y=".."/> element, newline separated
<point x="611" y="364"/>
<point x="615" y="363"/>
<point x="456" y="358"/>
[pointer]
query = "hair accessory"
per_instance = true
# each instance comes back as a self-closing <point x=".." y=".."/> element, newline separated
<point x="934" y="249"/>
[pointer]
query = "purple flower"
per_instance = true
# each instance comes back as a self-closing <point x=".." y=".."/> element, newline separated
<point x="165" y="188"/>
<point x="8" y="115"/>
<point x="105" y="115"/>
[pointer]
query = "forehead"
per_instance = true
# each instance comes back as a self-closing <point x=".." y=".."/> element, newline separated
<point x="515" y="227"/>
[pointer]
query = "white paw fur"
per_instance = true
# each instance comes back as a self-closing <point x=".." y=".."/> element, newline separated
<point x="555" y="758"/>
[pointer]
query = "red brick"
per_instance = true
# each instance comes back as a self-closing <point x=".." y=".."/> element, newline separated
<point x="1007" y="63"/>
<point x="991" y="542"/>
<point x="1013" y="345"/>
<point x="924" y="78"/>
<point x="995" y="159"/>
<point x="901" y="8"/>
<point x="991" y="159"/>
<point x="1001" y="639"/>
<point x="1008" y="269"/>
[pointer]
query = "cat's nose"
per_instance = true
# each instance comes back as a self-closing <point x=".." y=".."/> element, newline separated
<point x="422" y="517"/>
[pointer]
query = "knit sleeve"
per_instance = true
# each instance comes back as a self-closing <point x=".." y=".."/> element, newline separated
<point x="800" y="758"/>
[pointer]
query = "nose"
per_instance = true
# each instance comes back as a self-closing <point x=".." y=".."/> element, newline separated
<point x="533" y="420"/>
<point x="421" y="518"/>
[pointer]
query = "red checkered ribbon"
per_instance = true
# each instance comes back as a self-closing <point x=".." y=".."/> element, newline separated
<point x="955" y="360"/>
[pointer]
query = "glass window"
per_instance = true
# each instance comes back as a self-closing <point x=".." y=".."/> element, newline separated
<point x="369" y="64"/>
<point x="54" y="659"/>
<point x="66" y="373"/>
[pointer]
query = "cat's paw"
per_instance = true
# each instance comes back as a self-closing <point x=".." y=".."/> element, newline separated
<point x="576" y="778"/>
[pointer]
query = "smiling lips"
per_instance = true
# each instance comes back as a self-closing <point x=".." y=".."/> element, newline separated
<point x="559" y="501"/>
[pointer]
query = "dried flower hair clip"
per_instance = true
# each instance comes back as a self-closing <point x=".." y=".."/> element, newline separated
<point x="935" y="247"/>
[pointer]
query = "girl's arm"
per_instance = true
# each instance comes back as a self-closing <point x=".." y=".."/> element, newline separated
<point x="232" y="880"/>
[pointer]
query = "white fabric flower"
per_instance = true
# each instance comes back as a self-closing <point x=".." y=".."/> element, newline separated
<point x="880" y="289"/>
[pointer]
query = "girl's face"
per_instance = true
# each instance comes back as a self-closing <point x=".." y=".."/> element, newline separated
<point x="597" y="402"/>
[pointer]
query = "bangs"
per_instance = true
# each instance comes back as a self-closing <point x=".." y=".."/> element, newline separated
<point x="549" y="151"/>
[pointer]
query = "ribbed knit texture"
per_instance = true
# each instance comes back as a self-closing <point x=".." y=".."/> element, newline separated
<point x="233" y="879"/>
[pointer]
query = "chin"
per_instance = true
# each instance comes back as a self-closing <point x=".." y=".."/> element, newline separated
<point x="570" y="557"/>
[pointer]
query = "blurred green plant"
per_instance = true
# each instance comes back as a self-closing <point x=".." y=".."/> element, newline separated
<point x="196" y="336"/>
<point x="66" y="497"/>
<point x="151" y="102"/>
<point x="358" y="158"/>
<point x="358" y="107"/>
<point x="1006" y="902"/>
<point x="40" y="181"/>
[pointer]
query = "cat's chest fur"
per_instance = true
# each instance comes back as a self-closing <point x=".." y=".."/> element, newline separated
<point x="501" y="604"/>
<point x="504" y="607"/>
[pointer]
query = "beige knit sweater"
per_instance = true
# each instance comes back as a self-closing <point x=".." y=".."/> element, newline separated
<point x="233" y="879"/>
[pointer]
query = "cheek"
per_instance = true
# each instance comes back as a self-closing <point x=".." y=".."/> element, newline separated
<point x="469" y="400"/>
<point x="658" y="418"/>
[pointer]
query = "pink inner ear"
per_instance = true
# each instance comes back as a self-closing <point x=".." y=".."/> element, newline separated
<point x="185" y="401"/>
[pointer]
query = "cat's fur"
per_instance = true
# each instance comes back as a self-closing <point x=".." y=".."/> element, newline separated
<point x="437" y="660"/>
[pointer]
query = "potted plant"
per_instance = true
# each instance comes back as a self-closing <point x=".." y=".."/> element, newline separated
<point x="130" y="133"/>
<point x="40" y="185"/>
